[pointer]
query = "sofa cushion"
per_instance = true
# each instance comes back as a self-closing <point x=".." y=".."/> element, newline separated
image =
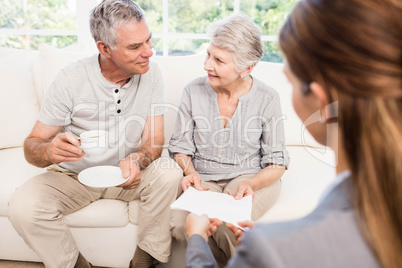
<point x="295" y="132"/>
<point x="101" y="213"/>
<point x="6" y="52"/>
<point x="15" y="170"/>
<point x="177" y="72"/>
<point x="53" y="59"/>
<point x="310" y="173"/>
<point x="18" y="101"/>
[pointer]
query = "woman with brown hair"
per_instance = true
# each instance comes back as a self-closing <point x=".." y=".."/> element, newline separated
<point x="343" y="58"/>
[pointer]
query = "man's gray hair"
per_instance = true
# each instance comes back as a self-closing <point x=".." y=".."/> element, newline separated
<point x="109" y="16"/>
<point x="238" y="34"/>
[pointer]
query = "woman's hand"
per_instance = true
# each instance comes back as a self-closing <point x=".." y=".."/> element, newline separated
<point x="201" y="225"/>
<point x="193" y="179"/>
<point x="239" y="232"/>
<point x="243" y="189"/>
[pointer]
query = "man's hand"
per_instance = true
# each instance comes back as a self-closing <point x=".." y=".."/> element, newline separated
<point x="193" y="179"/>
<point x="239" y="232"/>
<point x="201" y="225"/>
<point x="64" y="147"/>
<point x="46" y="145"/>
<point x="130" y="169"/>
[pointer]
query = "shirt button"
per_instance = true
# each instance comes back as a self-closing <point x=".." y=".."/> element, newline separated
<point x="116" y="91"/>
<point x="118" y="111"/>
<point x="118" y="102"/>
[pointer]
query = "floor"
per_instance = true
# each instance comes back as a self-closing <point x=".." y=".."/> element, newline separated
<point x="18" y="264"/>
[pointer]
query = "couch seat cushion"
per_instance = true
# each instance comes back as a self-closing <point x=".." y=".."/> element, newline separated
<point x="101" y="213"/>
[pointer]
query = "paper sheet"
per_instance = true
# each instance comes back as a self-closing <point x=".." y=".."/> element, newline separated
<point x="215" y="205"/>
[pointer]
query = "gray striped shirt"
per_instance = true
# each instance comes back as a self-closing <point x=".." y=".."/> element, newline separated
<point x="253" y="138"/>
<point x="82" y="99"/>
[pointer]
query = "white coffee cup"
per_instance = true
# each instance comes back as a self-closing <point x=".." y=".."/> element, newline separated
<point x="94" y="142"/>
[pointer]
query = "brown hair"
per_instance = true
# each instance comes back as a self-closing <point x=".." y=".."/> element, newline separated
<point x="353" y="48"/>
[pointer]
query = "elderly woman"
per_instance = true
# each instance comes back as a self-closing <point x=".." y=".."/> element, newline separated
<point x="229" y="134"/>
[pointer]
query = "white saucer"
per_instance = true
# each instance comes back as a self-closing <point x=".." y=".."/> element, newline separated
<point x="101" y="176"/>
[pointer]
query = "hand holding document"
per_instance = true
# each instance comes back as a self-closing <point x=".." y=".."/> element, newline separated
<point x="215" y="205"/>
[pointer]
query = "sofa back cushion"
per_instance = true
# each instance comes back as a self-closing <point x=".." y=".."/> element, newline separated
<point x="178" y="71"/>
<point x="295" y="131"/>
<point x="51" y="61"/>
<point x="18" y="100"/>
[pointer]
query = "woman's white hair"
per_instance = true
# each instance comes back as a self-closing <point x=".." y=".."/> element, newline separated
<point x="239" y="35"/>
<point x="109" y="15"/>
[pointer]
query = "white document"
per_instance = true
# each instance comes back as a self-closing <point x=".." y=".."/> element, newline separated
<point x="215" y="205"/>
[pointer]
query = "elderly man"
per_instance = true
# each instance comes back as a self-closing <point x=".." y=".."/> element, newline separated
<point x="118" y="90"/>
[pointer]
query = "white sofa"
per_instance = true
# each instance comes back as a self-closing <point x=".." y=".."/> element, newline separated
<point x="103" y="230"/>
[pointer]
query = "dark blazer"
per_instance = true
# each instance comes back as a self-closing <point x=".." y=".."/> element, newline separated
<point x="328" y="237"/>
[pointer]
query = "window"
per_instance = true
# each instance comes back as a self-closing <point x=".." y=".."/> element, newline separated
<point x="178" y="26"/>
<point x="26" y="24"/>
